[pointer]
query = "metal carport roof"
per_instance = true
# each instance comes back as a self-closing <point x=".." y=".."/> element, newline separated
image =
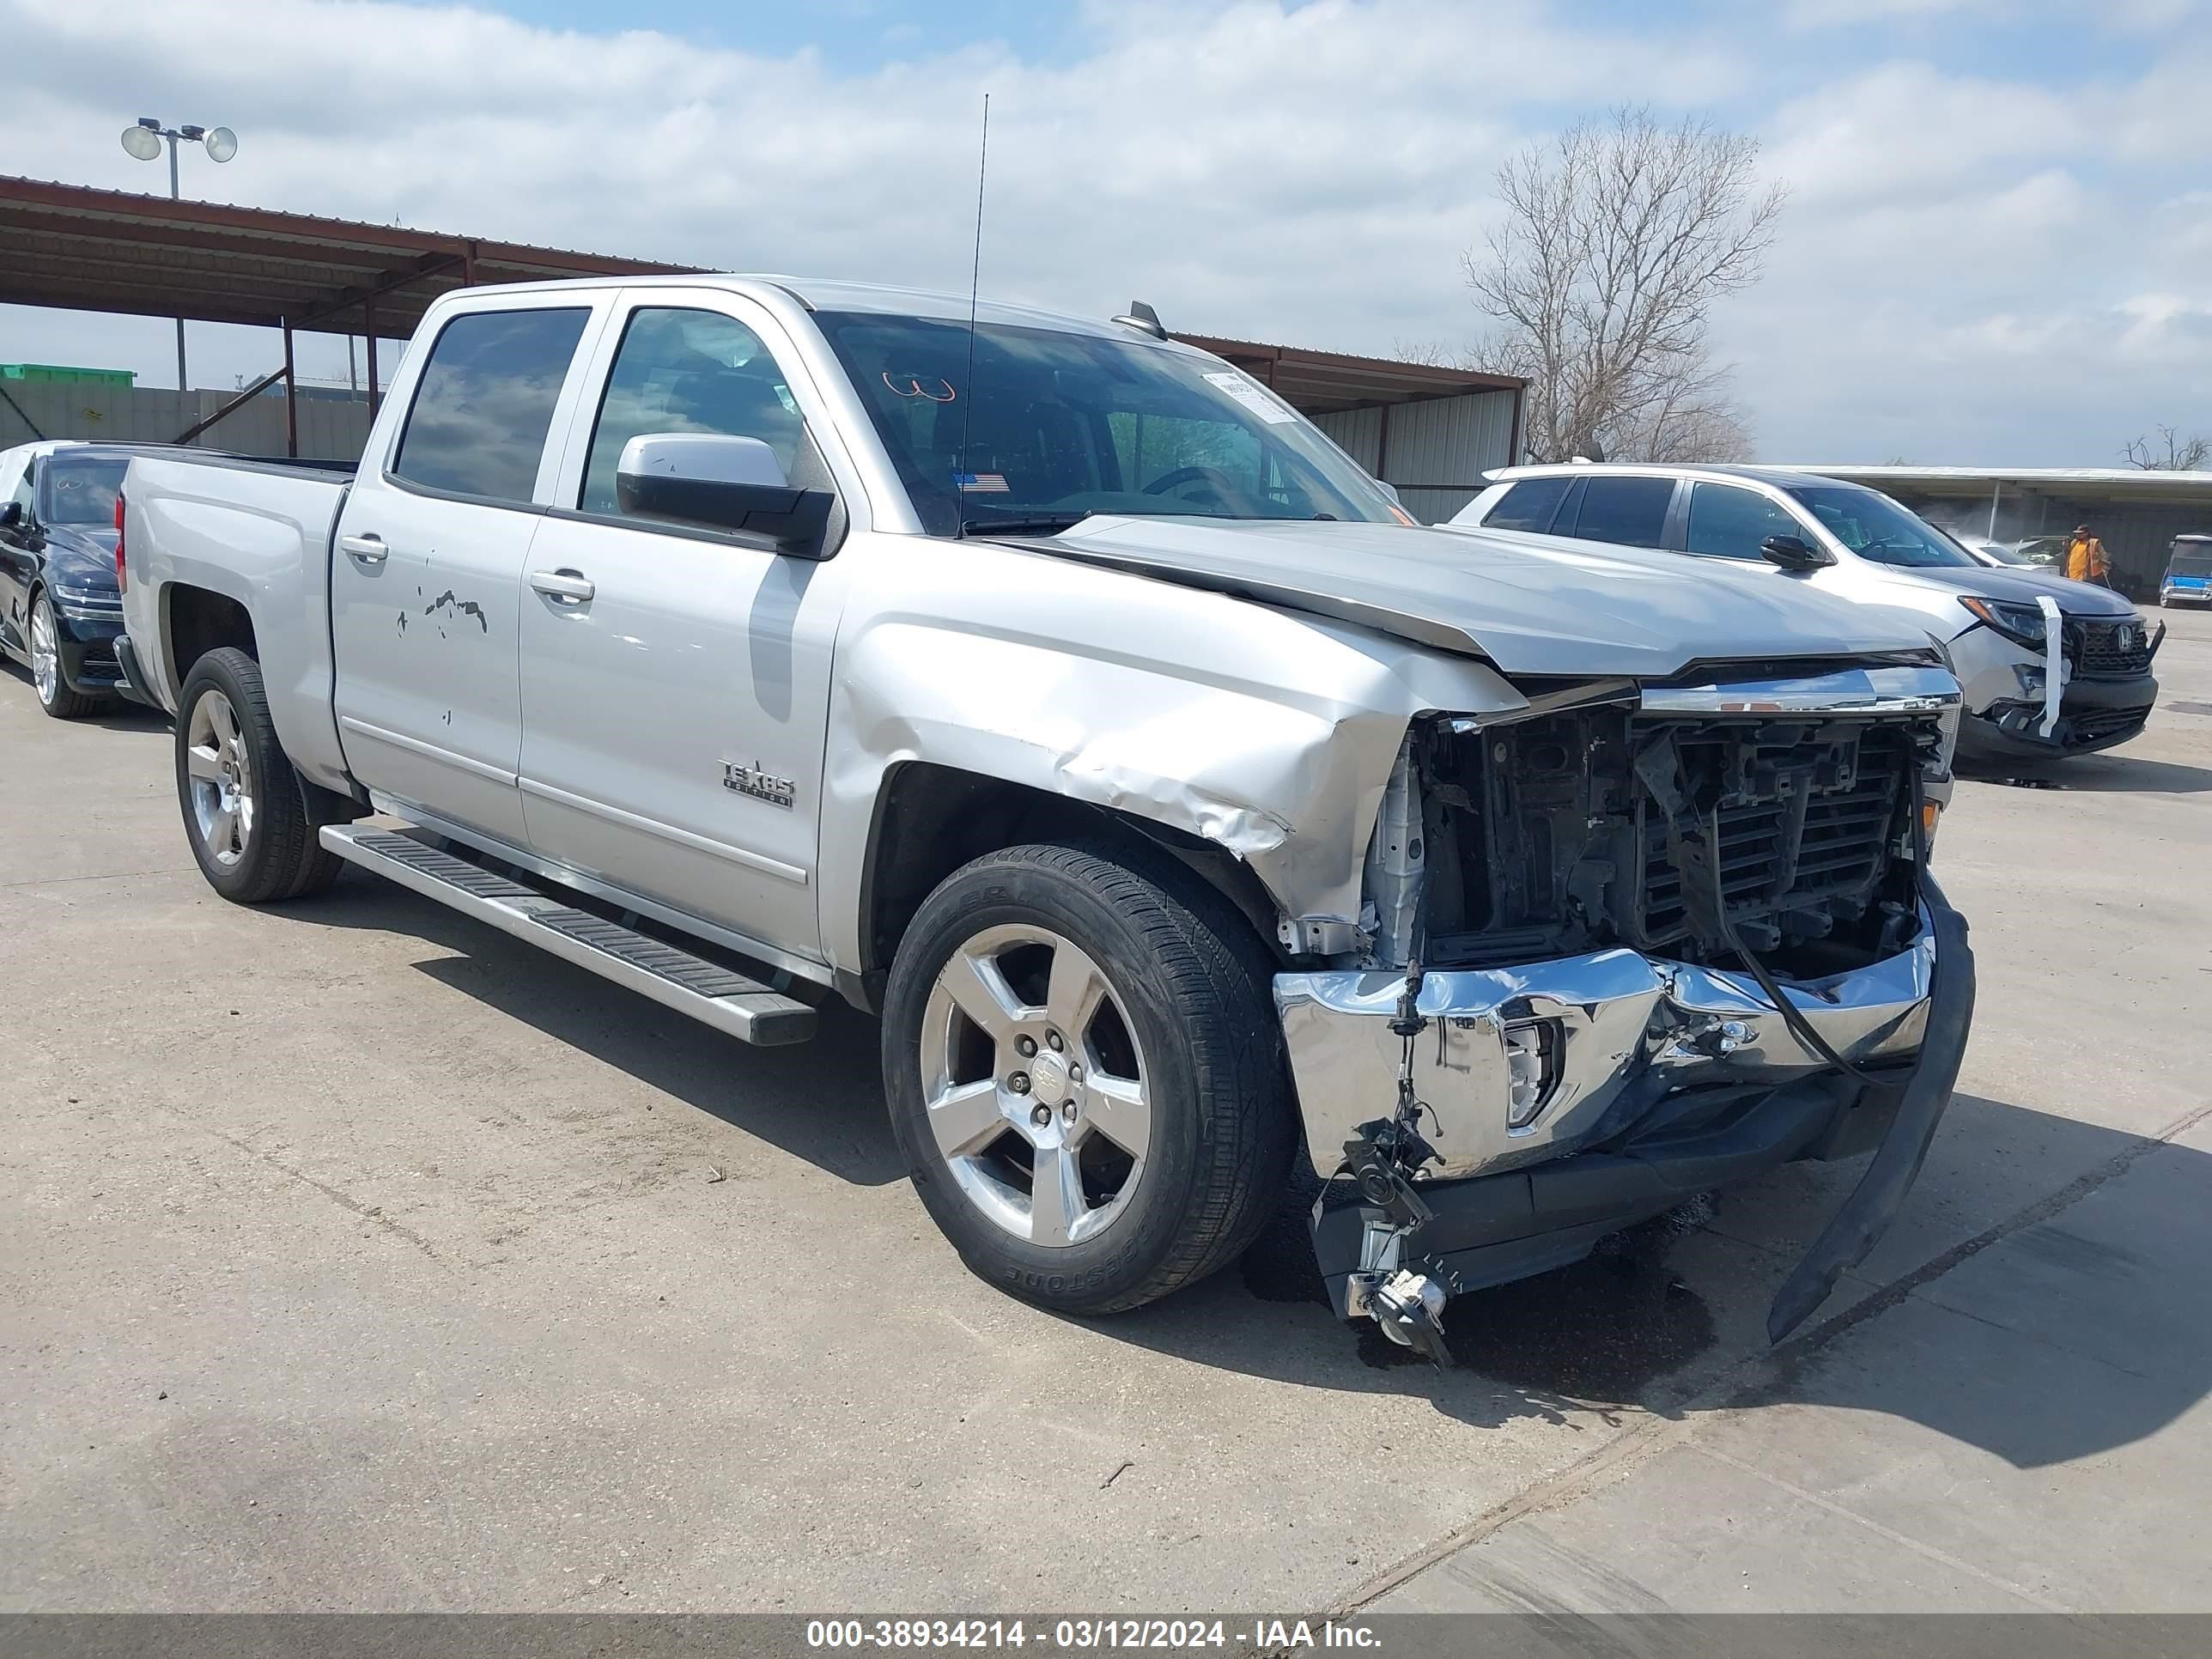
<point x="81" y="249"/>
<point x="108" y="250"/>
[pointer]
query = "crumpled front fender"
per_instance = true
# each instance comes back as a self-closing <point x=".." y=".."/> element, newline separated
<point x="1269" y="735"/>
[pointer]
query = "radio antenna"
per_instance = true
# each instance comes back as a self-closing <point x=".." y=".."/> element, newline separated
<point x="963" y="475"/>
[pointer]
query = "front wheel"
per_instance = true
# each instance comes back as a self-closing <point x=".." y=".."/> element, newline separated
<point x="246" y="809"/>
<point x="56" y="696"/>
<point x="1086" y="1075"/>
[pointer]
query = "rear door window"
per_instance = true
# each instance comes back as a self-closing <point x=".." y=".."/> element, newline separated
<point x="485" y="404"/>
<point x="1528" y="505"/>
<point x="1726" y="522"/>
<point x="1630" y="511"/>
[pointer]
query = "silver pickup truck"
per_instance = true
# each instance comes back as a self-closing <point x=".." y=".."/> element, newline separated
<point x="1204" y="831"/>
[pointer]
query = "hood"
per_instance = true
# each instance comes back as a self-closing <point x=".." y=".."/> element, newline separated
<point x="82" y="556"/>
<point x="1989" y="582"/>
<point x="1572" y="608"/>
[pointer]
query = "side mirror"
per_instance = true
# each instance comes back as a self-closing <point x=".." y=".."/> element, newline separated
<point x="723" y="483"/>
<point x="1391" y="490"/>
<point x="1793" y="553"/>
<point x="11" y="514"/>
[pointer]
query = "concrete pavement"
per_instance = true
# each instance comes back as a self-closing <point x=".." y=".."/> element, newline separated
<point x="354" y="1256"/>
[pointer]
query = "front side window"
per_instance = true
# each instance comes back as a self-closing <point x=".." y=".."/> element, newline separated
<point x="1060" y="425"/>
<point x="682" y="370"/>
<point x="82" y="490"/>
<point x="485" y="404"/>
<point x="1874" y="527"/>
<point x="1632" y="512"/>
<point x="1726" y="522"/>
<point x="1528" y="505"/>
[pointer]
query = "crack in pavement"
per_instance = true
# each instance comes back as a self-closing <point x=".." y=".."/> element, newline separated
<point x="1750" y="1379"/>
<point x="117" y="875"/>
<point x="343" y="1200"/>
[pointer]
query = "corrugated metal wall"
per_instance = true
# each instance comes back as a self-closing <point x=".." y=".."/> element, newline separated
<point x="330" y="429"/>
<point x="1358" y="432"/>
<point x="1435" y="451"/>
<point x="2137" y="534"/>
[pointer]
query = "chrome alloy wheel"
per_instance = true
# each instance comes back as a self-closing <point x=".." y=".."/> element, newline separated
<point x="45" y="654"/>
<point x="221" y="779"/>
<point x="1036" y="1088"/>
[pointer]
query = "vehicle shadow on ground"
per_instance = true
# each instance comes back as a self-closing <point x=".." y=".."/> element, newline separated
<point x="821" y="1101"/>
<point x="1660" y="1314"/>
<point x="119" y="715"/>
<point x="1664" y="1312"/>
<point x="2106" y="774"/>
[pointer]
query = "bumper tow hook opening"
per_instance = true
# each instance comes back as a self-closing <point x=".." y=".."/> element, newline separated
<point x="1382" y="1156"/>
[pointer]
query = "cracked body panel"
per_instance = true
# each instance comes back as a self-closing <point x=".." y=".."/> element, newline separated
<point x="1270" y="735"/>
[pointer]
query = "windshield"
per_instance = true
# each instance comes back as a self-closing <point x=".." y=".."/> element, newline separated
<point x="1874" y="527"/>
<point x="2191" y="562"/>
<point x="1064" y="424"/>
<point x="81" y="489"/>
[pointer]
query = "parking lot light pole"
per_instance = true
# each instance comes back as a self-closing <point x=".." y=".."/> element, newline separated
<point x="144" y="140"/>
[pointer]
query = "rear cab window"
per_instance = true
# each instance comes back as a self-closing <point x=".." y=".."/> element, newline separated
<point x="485" y="403"/>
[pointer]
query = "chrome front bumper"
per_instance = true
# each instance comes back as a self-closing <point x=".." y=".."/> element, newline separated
<point x="1521" y="1065"/>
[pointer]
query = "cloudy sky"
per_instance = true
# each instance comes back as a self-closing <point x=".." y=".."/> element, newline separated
<point x="1998" y="246"/>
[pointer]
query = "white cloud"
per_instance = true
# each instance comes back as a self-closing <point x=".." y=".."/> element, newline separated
<point x="1303" y="172"/>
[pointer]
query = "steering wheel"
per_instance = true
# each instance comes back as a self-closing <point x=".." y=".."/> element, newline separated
<point x="1218" y="480"/>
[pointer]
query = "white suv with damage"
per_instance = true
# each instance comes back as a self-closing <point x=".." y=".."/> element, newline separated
<point x="1201" y="828"/>
<point x="2047" y="668"/>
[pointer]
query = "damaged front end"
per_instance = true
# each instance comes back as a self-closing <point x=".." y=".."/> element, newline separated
<point x="1639" y="943"/>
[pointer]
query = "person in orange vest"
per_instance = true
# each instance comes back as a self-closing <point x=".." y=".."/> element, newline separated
<point x="2084" y="558"/>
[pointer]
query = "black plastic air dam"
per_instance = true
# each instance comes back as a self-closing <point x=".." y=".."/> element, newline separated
<point x="1874" y="1203"/>
<point x="1493" y="1229"/>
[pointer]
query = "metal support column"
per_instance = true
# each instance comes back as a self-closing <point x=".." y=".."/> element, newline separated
<point x="291" y="396"/>
<point x="368" y="340"/>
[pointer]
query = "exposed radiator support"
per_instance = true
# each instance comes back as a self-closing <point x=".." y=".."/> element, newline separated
<point x="1397" y="869"/>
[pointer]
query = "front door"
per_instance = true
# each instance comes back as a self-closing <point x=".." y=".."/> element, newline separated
<point x="18" y="563"/>
<point x="676" y="683"/>
<point x="426" y="581"/>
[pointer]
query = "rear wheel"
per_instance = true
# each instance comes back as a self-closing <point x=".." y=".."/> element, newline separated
<point x="1086" y="1075"/>
<point x="246" y="811"/>
<point x="56" y="696"/>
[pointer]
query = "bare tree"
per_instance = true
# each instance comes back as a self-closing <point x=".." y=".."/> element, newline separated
<point x="2179" y="455"/>
<point x="1618" y="238"/>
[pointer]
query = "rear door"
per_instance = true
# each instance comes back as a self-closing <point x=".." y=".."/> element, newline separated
<point x="675" y="682"/>
<point x="426" y="581"/>
<point x="1626" y="510"/>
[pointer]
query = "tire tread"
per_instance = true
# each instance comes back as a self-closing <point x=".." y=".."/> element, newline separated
<point x="292" y="862"/>
<point x="1204" y="948"/>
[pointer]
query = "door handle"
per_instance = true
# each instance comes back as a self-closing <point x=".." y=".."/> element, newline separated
<point x="563" y="586"/>
<point x="368" y="549"/>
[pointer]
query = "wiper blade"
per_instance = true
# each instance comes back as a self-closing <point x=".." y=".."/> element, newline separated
<point x="1036" y="526"/>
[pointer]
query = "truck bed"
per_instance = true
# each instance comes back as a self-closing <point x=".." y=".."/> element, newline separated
<point x="257" y="532"/>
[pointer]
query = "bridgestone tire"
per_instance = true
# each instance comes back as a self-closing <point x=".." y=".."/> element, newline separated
<point x="1193" y="982"/>
<point x="280" y="858"/>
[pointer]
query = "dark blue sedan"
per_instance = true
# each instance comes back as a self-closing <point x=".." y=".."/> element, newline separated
<point x="61" y="611"/>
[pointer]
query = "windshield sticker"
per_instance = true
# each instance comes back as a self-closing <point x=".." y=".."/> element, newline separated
<point x="1254" y="397"/>
<point x="941" y="392"/>
<point x="980" y="483"/>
